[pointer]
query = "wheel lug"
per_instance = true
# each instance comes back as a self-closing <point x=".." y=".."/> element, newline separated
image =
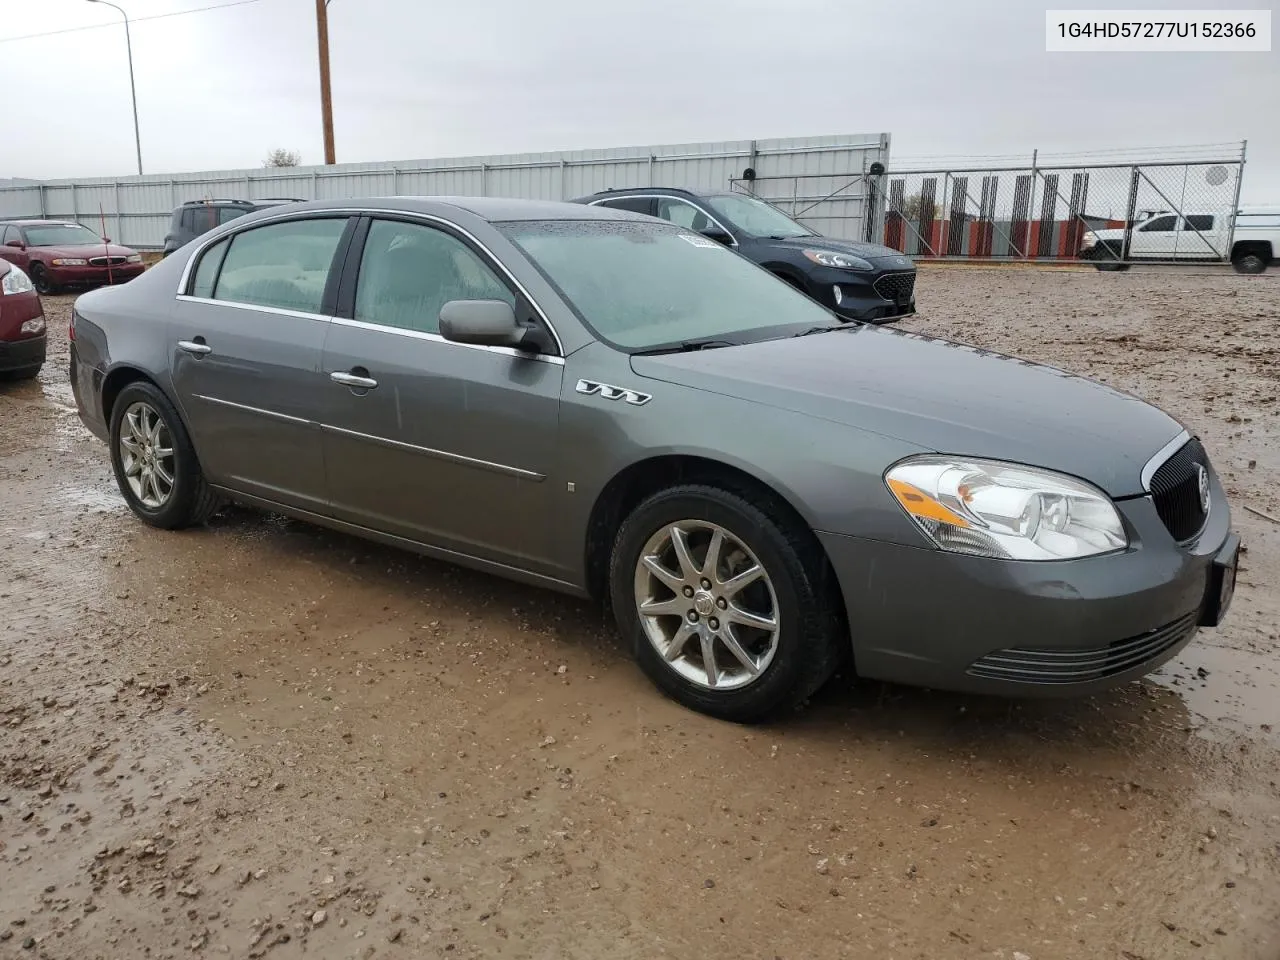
<point x="693" y="616"/>
<point x="713" y="623"/>
<point x="722" y="603"/>
<point x="688" y="591"/>
<point x="706" y="584"/>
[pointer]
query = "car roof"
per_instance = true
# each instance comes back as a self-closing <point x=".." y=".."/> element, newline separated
<point x="492" y="209"/>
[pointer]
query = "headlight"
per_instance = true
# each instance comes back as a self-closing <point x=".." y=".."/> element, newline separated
<point x="845" y="261"/>
<point x="1090" y="239"/>
<point x="134" y="258"/>
<point x="68" y="262"/>
<point x="15" y="281"/>
<point x="990" y="509"/>
<point x="33" y="326"/>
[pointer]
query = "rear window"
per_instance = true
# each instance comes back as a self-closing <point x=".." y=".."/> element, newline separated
<point x="283" y="265"/>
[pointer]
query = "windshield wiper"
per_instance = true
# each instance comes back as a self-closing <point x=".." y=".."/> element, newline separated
<point x="687" y="346"/>
<point x="813" y="330"/>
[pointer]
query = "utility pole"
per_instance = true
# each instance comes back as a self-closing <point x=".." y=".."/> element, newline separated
<point x="133" y="90"/>
<point x="326" y="96"/>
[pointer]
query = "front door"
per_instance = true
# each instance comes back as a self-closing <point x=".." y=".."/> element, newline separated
<point x="442" y="443"/>
<point x="245" y="347"/>
<point x="1156" y="239"/>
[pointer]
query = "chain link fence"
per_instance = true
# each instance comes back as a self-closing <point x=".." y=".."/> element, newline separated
<point x="1110" y="213"/>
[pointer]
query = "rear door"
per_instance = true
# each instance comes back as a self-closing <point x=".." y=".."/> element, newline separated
<point x="442" y="443"/>
<point x="1203" y="237"/>
<point x="8" y="236"/>
<point x="246" y="342"/>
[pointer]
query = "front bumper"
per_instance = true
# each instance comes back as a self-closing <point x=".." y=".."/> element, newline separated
<point x="94" y="276"/>
<point x="22" y="354"/>
<point x="928" y="618"/>
<point x="870" y="297"/>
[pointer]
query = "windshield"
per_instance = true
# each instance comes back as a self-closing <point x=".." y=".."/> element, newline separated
<point x="640" y="286"/>
<point x="756" y="217"/>
<point x="60" y="234"/>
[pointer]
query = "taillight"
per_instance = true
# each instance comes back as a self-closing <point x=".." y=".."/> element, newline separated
<point x="71" y="327"/>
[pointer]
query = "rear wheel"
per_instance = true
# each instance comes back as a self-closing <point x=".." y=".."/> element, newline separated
<point x="40" y="280"/>
<point x="154" y="462"/>
<point x="1249" y="261"/>
<point x="726" y="604"/>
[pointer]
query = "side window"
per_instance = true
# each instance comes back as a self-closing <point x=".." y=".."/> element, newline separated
<point x="1159" y="224"/>
<point x="227" y="214"/>
<point x="7" y="234"/>
<point x="634" y="204"/>
<point x="682" y="214"/>
<point x="207" y="269"/>
<point x="409" y="271"/>
<point x="283" y="265"/>
<point x="1199" y="221"/>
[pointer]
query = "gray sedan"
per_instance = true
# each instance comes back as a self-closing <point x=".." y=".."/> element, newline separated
<point x="614" y="406"/>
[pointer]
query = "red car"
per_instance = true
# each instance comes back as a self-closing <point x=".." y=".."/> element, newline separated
<point x="22" y="336"/>
<point x="57" y="254"/>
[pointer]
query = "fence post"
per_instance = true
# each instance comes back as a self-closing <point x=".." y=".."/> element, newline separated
<point x="1130" y="209"/>
<point x="1031" y="204"/>
<point x="44" y="213"/>
<point x="119" y="224"/>
<point x="1235" y="204"/>
<point x="484" y="179"/>
<point x="563" y="167"/>
<point x="315" y="184"/>
<point x="75" y="211"/>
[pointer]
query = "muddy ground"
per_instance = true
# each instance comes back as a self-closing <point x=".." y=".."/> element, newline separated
<point x="264" y="739"/>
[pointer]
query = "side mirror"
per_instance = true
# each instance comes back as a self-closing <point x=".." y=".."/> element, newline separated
<point x="16" y="244"/>
<point x="106" y="239"/>
<point x="712" y="232"/>
<point x="487" y="323"/>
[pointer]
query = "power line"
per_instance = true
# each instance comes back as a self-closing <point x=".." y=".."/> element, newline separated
<point x="154" y="16"/>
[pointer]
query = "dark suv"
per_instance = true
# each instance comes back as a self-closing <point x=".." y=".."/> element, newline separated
<point x="200" y="216"/>
<point x="859" y="281"/>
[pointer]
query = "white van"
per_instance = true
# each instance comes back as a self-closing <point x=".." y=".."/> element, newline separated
<point x="1163" y="235"/>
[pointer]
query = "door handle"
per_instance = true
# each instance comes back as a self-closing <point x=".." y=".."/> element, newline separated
<point x="353" y="380"/>
<point x="196" y="347"/>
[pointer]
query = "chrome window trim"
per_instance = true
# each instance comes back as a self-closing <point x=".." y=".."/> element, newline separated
<point x="437" y="338"/>
<point x="280" y="311"/>
<point x="1164" y="453"/>
<point x="662" y="196"/>
<point x="502" y="468"/>
<point x="272" y="414"/>
<point x="365" y="212"/>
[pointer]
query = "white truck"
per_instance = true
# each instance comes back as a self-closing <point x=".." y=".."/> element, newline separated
<point x="1162" y="235"/>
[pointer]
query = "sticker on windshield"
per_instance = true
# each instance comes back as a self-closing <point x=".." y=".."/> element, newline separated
<point x="698" y="241"/>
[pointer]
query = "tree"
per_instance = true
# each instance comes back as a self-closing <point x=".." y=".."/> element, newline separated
<point x="280" y="157"/>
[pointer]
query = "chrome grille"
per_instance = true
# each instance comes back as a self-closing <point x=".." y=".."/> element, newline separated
<point x="107" y="261"/>
<point x="1058" y="665"/>
<point x="1175" y="490"/>
<point x="896" y="287"/>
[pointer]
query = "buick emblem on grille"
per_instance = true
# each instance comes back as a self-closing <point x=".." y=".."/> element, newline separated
<point x="1202" y="480"/>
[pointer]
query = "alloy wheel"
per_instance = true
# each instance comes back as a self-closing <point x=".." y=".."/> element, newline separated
<point x="707" y="605"/>
<point x="146" y="455"/>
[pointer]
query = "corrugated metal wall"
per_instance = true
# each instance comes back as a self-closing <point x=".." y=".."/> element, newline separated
<point x="136" y="209"/>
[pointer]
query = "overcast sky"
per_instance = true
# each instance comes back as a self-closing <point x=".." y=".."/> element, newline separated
<point x="434" y="78"/>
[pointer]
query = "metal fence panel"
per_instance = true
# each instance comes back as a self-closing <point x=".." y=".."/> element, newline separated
<point x="136" y="210"/>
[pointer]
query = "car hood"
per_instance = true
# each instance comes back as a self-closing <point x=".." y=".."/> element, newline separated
<point x="876" y="253"/>
<point x="85" y="250"/>
<point x="940" y="395"/>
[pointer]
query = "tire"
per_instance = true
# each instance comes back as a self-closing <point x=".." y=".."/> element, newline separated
<point x="188" y="500"/>
<point x="791" y="662"/>
<point x="40" y="280"/>
<point x="1111" y="267"/>
<point x="1249" y="262"/>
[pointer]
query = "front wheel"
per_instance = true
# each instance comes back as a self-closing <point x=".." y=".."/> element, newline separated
<point x="40" y="280"/>
<point x="154" y="462"/>
<point x="727" y="604"/>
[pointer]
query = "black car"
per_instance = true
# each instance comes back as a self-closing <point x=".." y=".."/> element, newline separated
<point x="860" y="281"/>
<point x="195" y="217"/>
